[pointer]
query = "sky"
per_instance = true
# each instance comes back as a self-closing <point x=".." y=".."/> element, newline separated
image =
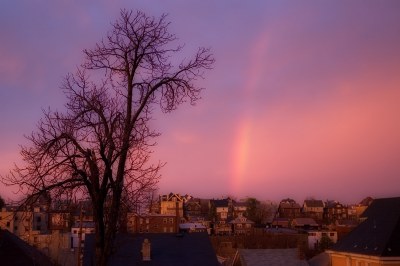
<point x="303" y="100"/>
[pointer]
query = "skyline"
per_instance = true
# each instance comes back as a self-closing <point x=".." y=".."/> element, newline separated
<point x="303" y="99"/>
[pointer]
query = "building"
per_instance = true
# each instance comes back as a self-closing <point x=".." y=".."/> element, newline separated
<point x="23" y="223"/>
<point x="172" y="204"/>
<point x="315" y="236"/>
<point x="79" y="231"/>
<point x="242" y="226"/>
<point x="375" y="241"/>
<point x="334" y="211"/>
<point x="314" y="209"/>
<point x="289" y="208"/>
<point x="152" y="223"/>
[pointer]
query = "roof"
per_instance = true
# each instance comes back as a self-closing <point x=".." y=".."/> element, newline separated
<point x="314" y="203"/>
<point x="304" y="221"/>
<point x="271" y="257"/>
<point x="166" y="249"/>
<point x="220" y="203"/>
<point x="14" y="251"/>
<point x="379" y="234"/>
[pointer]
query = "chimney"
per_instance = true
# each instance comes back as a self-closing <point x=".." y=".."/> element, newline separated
<point x="146" y="247"/>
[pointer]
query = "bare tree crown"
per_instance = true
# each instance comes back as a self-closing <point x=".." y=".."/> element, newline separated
<point x="101" y="144"/>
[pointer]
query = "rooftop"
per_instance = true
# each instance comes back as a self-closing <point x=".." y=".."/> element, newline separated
<point x="379" y="234"/>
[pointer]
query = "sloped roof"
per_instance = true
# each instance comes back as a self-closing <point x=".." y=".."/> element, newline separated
<point x="379" y="234"/>
<point x="166" y="249"/>
<point x="314" y="203"/>
<point x="304" y="221"/>
<point x="14" y="251"/>
<point x="271" y="257"/>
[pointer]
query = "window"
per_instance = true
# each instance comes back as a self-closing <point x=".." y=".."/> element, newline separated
<point x="38" y="227"/>
<point x="171" y="220"/>
<point x="38" y="219"/>
<point x="8" y="224"/>
<point x="332" y="234"/>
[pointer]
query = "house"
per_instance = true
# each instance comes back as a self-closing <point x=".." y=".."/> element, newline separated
<point x="222" y="208"/>
<point x="334" y="211"/>
<point x="314" y="209"/>
<point x="23" y="222"/>
<point x="192" y="227"/>
<point x="193" y="249"/>
<point x="60" y="220"/>
<point x="172" y="204"/>
<point x="192" y="208"/>
<point x="375" y="241"/>
<point x="315" y="236"/>
<point x="242" y="226"/>
<point x="79" y="231"/>
<point x="239" y="208"/>
<point x="289" y="208"/>
<point x="222" y="213"/>
<point x="152" y="223"/>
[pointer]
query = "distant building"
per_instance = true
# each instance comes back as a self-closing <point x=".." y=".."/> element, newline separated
<point x="79" y="231"/>
<point x="172" y="204"/>
<point x="376" y="241"/>
<point x="315" y="236"/>
<point x="334" y="211"/>
<point x="289" y="208"/>
<point x="314" y="209"/>
<point x="152" y="223"/>
<point x="242" y="226"/>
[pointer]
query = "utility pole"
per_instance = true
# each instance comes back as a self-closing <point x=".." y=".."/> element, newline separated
<point x="78" y="259"/>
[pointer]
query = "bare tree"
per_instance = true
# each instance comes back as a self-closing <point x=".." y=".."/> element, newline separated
<point x="100" y="146"/>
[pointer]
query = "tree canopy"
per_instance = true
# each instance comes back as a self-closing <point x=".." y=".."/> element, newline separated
<point x="100" y="146"/>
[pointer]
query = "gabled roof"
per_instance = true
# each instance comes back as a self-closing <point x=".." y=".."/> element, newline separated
<point x="379" y="234"/>
<point x="314" y="203"/>
<point x="166" y="249"/>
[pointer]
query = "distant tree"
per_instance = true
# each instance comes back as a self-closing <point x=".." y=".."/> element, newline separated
<point x="252" y="211"/>
<point x="325" y="243"/>
<point x="100" y="147"/>
<point x="2" y="202"/>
